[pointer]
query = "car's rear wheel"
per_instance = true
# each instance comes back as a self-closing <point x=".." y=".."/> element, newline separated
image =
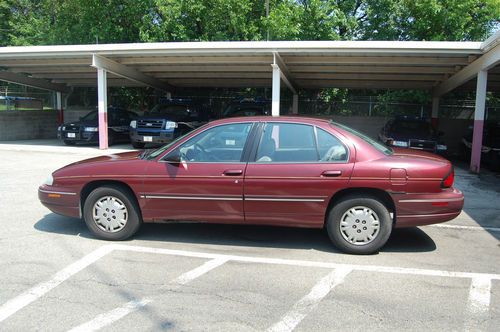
<point x="359" y="225"/>
<point x="111" y="213"/>
<point x="138" y="145"/>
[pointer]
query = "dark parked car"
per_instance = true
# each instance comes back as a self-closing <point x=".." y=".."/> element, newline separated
<point x="86" y="130"/>
<point x="281" y="171"/>
<point x="413" y="133"/>
<point x="490" y="150"/>
<point x="168" y="120"/>
<point x="248" y="107"/>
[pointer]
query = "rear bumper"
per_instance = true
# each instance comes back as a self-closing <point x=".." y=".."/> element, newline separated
<point x="60" y="200"/>
<point x="425" y="209"/>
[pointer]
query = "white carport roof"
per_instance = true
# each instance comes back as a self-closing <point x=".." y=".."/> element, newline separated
<point x="305" y="64"/>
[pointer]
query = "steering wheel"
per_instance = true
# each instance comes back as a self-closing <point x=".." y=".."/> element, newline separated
<point x="200" y="152"/>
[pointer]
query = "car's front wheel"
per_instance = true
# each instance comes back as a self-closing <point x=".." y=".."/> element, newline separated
<point x="359" y="225"/>
<point x="111" y="213"/>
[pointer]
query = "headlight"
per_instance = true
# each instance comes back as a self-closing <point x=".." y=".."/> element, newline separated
<point x="402" y="144"/>
<point x="133" y="124"/>
<point x="93" y="129"/>
<point x="441" y="147"/>
<point x="49" y="181"/>
<point x="59" y="128"/>
<point x="170" y="125"/>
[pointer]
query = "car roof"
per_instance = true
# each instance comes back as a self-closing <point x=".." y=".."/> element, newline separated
<point x="263" y="118"/>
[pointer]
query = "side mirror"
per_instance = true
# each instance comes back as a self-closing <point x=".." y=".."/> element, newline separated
<point x="174" y="157"/>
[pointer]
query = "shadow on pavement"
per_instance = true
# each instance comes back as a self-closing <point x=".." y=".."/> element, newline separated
<point x="401" y="240"/>
<point x="482" y="194"/>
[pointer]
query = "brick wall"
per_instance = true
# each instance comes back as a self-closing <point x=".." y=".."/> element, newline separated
<point x="21" y="125"/>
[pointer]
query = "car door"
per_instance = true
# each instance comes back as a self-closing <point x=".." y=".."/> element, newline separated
<point x="296" y="170"/>
<point x="201" y="179"/>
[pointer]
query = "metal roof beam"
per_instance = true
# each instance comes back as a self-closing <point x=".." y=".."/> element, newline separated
<point x="485" y="62"/>
<point x="118" y="69"/>
<point x="32" y="82"/>
<point x="284" y="72"/>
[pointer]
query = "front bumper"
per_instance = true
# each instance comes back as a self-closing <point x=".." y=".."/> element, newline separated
<point x="155" y="137"/>
<point x="60" y="200"/>
<point x="425" y="209"/>
<point x="85" y="136"/>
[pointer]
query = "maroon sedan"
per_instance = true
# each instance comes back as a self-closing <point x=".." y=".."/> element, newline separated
<point x="284" y="171"/>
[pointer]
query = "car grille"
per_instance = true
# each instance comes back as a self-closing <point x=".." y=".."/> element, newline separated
<point x="422" y="145"/>
<point x="72" y="129"/>
<point x="150" y="124"/>
<point x="148" y="133"/>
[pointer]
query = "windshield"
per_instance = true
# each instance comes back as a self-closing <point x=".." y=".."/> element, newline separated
<point x="412" y="127"/>
<point x="379" y="146"/>
<point x="243" y="110"/>
<point x="92" y="116"/>
<point x="155" y="153"/>
<point x="174" y="112"/>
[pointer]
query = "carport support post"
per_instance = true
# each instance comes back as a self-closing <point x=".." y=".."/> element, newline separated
<point x="295" y="104"/>
<point x="59" y="108"/>
<point x="477" y="136"/>
<point x="435" y="112"/>
<point x="275" y="111"/>
<point x="102" y="96"/>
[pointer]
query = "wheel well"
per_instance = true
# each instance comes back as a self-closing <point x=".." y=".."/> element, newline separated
<point x="378" y="194"/>
<point x="89" y="187"/>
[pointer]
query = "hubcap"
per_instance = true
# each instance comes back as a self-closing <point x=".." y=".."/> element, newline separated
<point x="359" y="225"/>
<point x="110" y="214"/>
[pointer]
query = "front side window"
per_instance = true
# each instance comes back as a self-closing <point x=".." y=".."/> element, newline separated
<point x="219" y="144"/>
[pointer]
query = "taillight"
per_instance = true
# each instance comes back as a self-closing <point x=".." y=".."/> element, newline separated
<point x="448" y="179"/>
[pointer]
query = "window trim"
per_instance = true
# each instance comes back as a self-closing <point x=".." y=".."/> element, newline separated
<point x="260" y="133"/>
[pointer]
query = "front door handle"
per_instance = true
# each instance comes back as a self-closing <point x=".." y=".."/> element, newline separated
<point x="331" y="173"/>
<point x="232" y="172"/>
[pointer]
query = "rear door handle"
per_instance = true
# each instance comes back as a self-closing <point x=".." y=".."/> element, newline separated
<point x="331" y="173"/>
<point x="232" y="172"/>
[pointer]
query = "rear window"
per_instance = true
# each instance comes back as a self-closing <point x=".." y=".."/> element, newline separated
<point x="377" y="145"/>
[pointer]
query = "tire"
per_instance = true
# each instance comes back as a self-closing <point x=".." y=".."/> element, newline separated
<point x="138" y="145"/>
<point x="69" y="142"/>
<point x="115" y="202"/>
<point x="352" y="216"/>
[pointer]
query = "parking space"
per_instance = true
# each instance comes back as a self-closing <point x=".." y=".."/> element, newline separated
<point x="220" y="277"/>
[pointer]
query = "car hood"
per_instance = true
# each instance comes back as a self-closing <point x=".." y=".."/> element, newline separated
<point x="82" y="123"/>
<point x="401" y="152"/>
<point x="111" y="158"/>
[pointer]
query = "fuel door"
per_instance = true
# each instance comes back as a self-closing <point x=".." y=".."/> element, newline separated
<point x="398" y="179"/>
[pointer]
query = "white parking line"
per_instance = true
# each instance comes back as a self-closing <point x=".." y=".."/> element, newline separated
<point x="307" y="304"/>
<point x="114" y="315"/>
<point x="111" y="316"/>
<point x="479" y="302"/>
<point x="470" y="228"/>
<point x="12" y="306"/>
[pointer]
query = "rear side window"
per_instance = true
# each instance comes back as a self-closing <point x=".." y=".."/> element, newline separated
<point x="330" y="148"/>
<point x="290" y="142"/>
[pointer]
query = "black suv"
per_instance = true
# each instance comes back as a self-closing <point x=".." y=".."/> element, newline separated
<point x="413" y="133"/>
<point x="490" y="150"/>
<point x="86" y="130"/>
<point x="168" y="120"/>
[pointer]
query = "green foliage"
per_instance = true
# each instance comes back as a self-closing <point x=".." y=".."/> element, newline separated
<point x="29" y="22"/>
